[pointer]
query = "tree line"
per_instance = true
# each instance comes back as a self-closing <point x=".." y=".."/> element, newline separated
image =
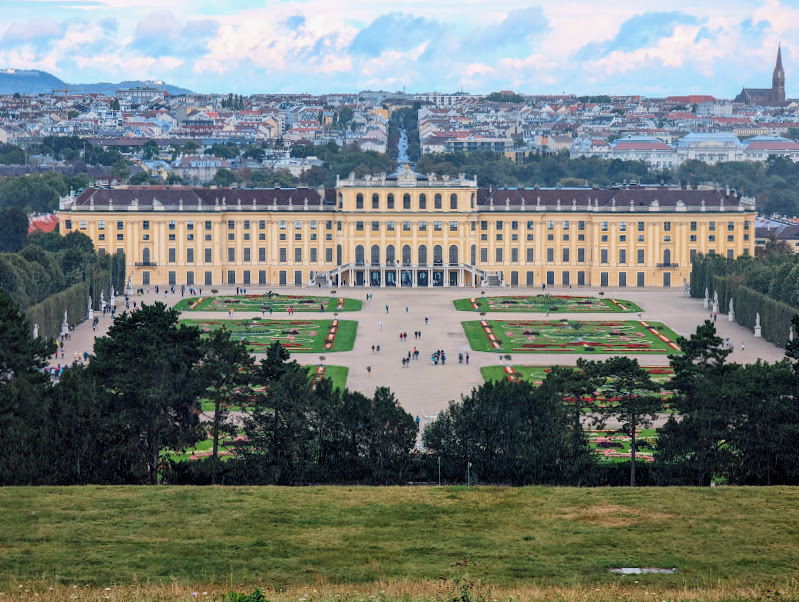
<point x="54" y="273"/>
<point x="123" y="416"/>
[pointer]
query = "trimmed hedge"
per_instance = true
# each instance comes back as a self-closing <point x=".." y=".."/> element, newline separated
<point x="49" y="314"/>
<point x="775" y="317"/>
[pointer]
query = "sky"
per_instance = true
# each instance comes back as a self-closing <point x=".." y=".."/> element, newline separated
<point x="317" y="46"/>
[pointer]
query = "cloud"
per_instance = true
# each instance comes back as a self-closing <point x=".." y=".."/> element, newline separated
<point x="640" y="31"/>
<point x="37" y="33"/>
<point x="161" y="34"/>
<point x="519" y="26"/>
<point x="396" y="32"/>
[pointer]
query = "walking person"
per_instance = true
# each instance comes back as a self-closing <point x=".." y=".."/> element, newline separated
<point x="425" y="323"/>
<point x="386" y="308"/>
<point x="369" y="370"/>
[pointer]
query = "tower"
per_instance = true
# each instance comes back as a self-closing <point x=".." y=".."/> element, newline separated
<point x="778" y="80"/>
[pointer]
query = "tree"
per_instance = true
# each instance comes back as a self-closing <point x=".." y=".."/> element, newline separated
<point x="632" y="394"/>
<point x="226" y="371"/>
<point x="13" y="229"/>
<point x="282" y="444"/>
<point x="146" y="366"/>
<point x="224" y="178"/>
<point x="173" y="178"/>
<point x="692" y="450"/>
<point x="510" y="432"/>
<point x="149" y="150"/>
<point x="115" y="105"/>
<point x="191" y="146"/>
<point x="139" y="178"/>
<point x="121" y="169"/>
<point x="24" y="415"/>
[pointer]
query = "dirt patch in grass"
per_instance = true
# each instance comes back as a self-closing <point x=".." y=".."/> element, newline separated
<point x="614" y="515"/>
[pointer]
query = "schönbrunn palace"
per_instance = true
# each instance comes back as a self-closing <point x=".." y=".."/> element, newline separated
<point x="409" y="229"/>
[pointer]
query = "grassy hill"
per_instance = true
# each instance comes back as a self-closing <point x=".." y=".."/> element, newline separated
<point x="351" y="539"/>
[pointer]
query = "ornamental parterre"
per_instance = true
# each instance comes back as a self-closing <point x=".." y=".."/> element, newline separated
<point x="564" y="336"/>
<point x="546" y="303"/>
<point x="264" y="303"/>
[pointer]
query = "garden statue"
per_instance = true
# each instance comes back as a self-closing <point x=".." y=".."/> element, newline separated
<point x="731" y="313"/>
<point x="102" y="300"/>
<point x="757" y="320"/>
<point x="65" y="325"/>
<point x="90" y="310"/>
<point x="715" y="302"/>
<point x="706" y="304"/>
<point x="758" y="329"/>
<point x="686" y="288"/>
<point x="35" y="331"/>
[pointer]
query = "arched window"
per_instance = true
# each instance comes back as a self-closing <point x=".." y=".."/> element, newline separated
<point x="422" y="255"/>
<point x="390" y="257"/>
<point x="453" y="201"/>
<point x="453" y="254"/>
<point x="438" y="255"/>
<point x="375" y="201"/>
<point x="390" y="201"/>
<point x="422" y="201"/>
<point x="406" y="201"/>
<point x="406" y="255"/>
<point x="375" y="254"/>
<point x="667" y="256"/>
<point x="145" y="256"/>
<point x="359" y="254"/>
<point x="473" y="255"/>
<point x="359" y="201"/>
<point x="338" y="255"/>
<point x="437" y="203"/>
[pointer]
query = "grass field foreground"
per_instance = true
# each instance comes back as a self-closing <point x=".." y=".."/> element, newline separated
<point x="296" y="335"/>
<point x="716" y="538"/>
<point x="277" y="303"/>
<point x="546" y="303"/>
<point x="571" y="336"/>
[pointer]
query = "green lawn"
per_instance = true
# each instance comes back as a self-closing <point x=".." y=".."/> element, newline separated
<point x="336" y="374"/>
<point x="296" y="335"/>
<point x="543" y="303"/>
<point x="563" y="336"/>
<point x="276" y="537"/>
<point x="279" y="303"/>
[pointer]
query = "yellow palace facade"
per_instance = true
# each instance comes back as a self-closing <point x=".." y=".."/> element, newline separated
<point x="412" y="230"/>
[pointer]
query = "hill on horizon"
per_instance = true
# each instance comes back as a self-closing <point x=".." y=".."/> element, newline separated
<point x="34" y="81"/>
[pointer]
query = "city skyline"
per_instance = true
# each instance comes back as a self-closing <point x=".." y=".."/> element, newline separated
<point x="311" y="46"/>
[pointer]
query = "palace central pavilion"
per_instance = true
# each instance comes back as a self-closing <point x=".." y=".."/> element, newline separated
<point x="414" y="230"/>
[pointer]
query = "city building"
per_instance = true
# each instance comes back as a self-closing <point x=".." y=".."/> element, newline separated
<point x="767" y="97"/>
<point x="410" y="229"/>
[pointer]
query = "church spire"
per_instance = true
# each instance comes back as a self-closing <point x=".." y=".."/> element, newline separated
<point x="778" y="79"/>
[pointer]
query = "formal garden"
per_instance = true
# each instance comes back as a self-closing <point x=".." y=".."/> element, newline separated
<point x="298" y="336"/>
<point x="661" y="375"/>
<point x="614" y="446"/>
<point x="546" y="304"/>
<point x="571" y="336"/>
<point x="268" y="302"/>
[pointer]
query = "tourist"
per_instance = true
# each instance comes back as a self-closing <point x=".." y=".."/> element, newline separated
<point x="378" y="348"/>
<point x="406" y="309"/>
<point x="373" y="348"/>
<point x="369" y="370"/>
<point x="386" y="308"/>
<point x="381" y="326"/>
<point x="460" y="358"/>
<point x="425" y="323"/>
<point x="467" y="358"/>
<point x="742" y="345"/>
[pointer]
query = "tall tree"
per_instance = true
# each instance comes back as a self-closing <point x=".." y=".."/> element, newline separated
<point x="632" y="392"/>
<point x="146" y="366"/>
<point x="24" y="402"/>
<point x="226" y="372"/>
<point x="693" y="449"/>
<point x="13" y="229"/>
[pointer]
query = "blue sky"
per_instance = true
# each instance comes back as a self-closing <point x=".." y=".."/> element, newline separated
<point x="246" y="46"/>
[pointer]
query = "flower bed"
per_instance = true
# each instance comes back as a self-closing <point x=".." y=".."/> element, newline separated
<point x="546" y="303"/>
<point x="562" y="336"/>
